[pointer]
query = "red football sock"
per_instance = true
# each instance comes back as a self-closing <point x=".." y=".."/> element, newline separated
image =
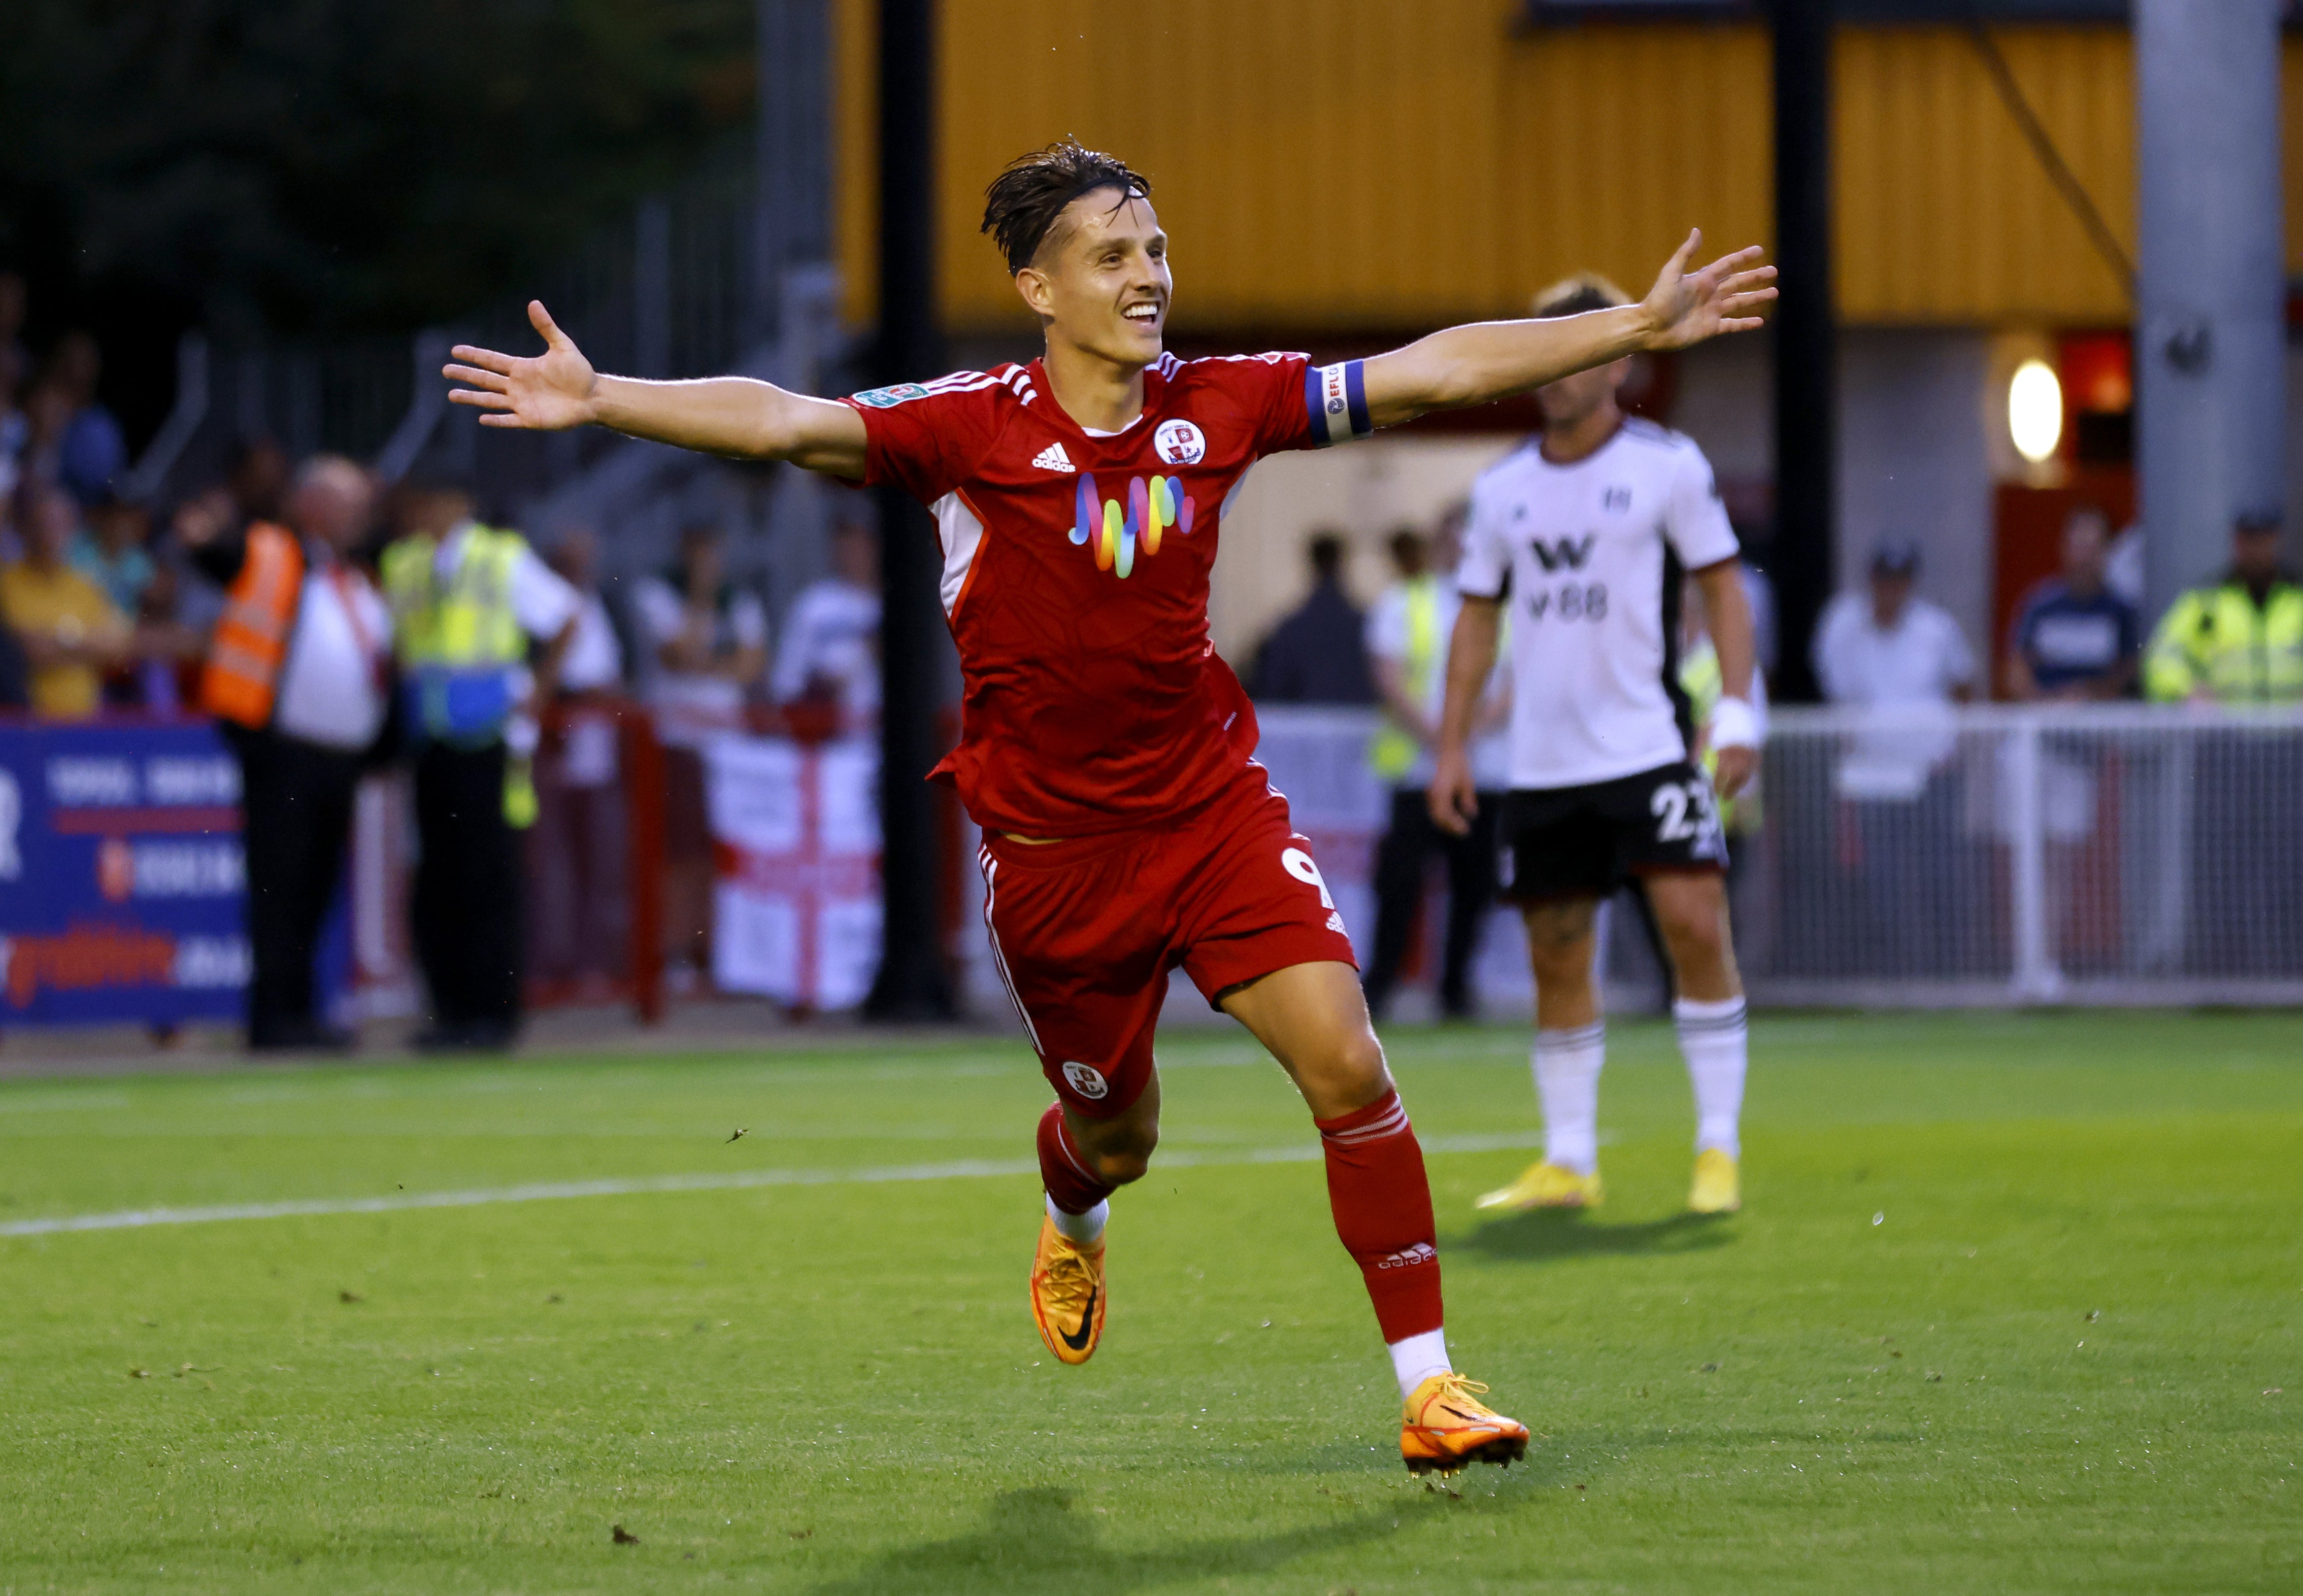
<point x="1382" y="1203"/>
<point x="1067" y="1175"/>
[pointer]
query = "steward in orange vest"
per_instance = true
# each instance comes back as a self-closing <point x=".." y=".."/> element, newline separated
<point x="298" y="677"/>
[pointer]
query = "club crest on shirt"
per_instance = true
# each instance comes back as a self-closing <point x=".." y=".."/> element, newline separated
<point x="1180" y="443"/>
<point x="1086" y="1080"/>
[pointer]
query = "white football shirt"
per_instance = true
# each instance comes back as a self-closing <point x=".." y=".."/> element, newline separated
<point x="1589" y="558"/>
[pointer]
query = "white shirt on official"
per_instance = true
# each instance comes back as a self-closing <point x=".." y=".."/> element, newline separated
<point x="831" y="634"/>
<point x="693" y="707"/>
<point x="332" y="682"/>
<point x="1587" y="555"/>
<point x="1908" y="673"/>
<point x="1388" y="633"/>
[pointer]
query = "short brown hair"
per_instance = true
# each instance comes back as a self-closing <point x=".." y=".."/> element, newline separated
<point x="1572" y="296"/>
<point x="1021" y="205"/>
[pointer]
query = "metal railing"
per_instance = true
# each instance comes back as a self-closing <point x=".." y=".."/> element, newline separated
<point x="1988" y="855"/>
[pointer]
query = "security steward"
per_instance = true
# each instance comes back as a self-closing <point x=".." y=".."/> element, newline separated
<point x="1406" y="639"/>
<point x="2240" y="642"/>
<point x="469" y="602"/>
<point x="298" y="675"/>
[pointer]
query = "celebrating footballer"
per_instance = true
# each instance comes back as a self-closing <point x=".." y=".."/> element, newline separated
<point x="1106" y="751"/>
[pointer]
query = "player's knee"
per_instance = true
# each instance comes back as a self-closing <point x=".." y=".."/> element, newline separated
<point x="1122" y="1154"/>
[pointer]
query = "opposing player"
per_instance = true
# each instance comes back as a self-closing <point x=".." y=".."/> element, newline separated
<point x="1586" y="533"/>
<point x="1105" y="749"/>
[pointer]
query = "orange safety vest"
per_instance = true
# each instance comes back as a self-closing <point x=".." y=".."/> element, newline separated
<point x="242" y="672"/>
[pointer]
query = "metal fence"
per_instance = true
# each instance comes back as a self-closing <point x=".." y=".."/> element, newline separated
<point x="2079" y="853"/>
<point x="1988" y="855"/>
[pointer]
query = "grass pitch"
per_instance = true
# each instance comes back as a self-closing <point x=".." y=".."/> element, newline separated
<point x="2014" y="1306"/>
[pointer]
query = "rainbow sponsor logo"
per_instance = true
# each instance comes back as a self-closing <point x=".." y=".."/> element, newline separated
<point x="1154" y="504"/>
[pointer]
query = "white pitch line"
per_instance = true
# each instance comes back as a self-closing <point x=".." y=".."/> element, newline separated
<point x="137" y="1219"/>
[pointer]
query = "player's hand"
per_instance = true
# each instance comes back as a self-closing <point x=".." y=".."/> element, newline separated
<point x="1454" y="797"/>
<point x="542" y="393"/>
<point x="1685" y="307"/>
<point x="1737" y="766"/>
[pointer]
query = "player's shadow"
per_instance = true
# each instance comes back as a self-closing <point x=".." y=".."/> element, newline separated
<point x="1034" y="1540"/>
<point x="1560" y="1233"/>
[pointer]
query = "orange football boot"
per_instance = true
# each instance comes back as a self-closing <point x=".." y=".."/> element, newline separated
<point x="1447" y="1426"/>
<point x="1068" y="1295"/>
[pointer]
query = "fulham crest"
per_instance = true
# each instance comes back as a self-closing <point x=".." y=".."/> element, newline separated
<point x="1180" y="443"/>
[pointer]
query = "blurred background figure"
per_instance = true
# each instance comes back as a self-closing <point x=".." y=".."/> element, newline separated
<point x="1888" y="651"/>
<point x="2075" y="639"/>
<point x="827" y="661"/>
<point x="575" y="855"/>
<point x="299" y="679"/>
<point x="711" y="643"/>
<point x="2240" y="642"/>
<point x="468" y="602"/>
<point x="1317" y="654"/>
<point x="1406" y="639"/>
<point x="71" y="634"/>
<point x="110" y="550"/>
<point x="91" y="449"/>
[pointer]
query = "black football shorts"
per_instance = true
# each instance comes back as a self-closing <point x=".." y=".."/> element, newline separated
<point x="1585" y="842"/>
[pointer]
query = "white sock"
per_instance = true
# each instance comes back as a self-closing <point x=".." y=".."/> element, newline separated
<point x="1086" y="1229"/>
<point x="1567" y="1083"/>
<point x="1417" y="1359"/>
<point x="1712" y="1039"/>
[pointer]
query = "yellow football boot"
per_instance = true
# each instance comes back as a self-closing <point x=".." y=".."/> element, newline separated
<point x="1545" y="1186"/>
<point x="1068" y="1296"/>
<point x="1718" y="1187"/>
<point x="1446" y="1426"/>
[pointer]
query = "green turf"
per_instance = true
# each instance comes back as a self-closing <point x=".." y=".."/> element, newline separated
<point x="2015" y="1307"/>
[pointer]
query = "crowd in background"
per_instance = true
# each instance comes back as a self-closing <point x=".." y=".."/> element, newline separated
<point x="333" y="624"/>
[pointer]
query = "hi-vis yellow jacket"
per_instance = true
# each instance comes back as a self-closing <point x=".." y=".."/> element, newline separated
<point x="2218" y="639"/>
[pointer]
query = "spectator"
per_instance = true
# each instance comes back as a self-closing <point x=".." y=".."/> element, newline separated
<point x="829" y="655"/>
<point x="109" y="550"/>
<point x="1407" y="633"/>
<point x="468" y="602"/>
<point x="711" y="642"/>
<point x="595" y="661"/>
<point x="2241" y="641"/>
<point x="297" y="678"/>
<point x="2075" y="639"/>
<point x="1903" y="660"/>
<point x="1886" y="647"/>
<point x="70" y="632"/>
<point x="1317" y="655"/>
<point x="257" y="478"/>
<point x="91" y="452"/>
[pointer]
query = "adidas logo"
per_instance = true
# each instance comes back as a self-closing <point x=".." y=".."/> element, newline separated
<point x="1423" y="1252"/>
<point x="1053" y="458"/>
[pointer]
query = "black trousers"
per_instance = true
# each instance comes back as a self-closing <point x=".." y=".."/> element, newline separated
<point x="1399" y="860"/>
<point x="296" y="799"/>
<point x="465" y="916"/>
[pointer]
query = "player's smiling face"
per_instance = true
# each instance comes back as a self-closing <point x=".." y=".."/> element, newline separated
<point x="1100" y="282"/>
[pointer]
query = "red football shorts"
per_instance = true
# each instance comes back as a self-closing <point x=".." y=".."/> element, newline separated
<point x="1085" y="930"/>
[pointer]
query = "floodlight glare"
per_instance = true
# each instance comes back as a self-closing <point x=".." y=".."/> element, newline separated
<point x="2035" y="410"/>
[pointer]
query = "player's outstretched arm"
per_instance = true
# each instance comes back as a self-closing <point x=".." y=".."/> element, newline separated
<point x="1482" y="361"/>
<point x="721" y="416"/>
<point x="1454" y="792"/>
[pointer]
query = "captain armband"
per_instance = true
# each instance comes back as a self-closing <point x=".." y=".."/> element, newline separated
<point x="1336" y="397"/>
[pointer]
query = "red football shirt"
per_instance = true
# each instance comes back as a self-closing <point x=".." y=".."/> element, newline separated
<point x="1076" y="575"/>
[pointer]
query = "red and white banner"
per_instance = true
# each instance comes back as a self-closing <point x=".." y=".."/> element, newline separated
<point x="796" y="834"/>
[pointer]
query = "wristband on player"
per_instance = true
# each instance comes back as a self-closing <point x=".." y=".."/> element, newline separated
<point x="1336" y="397"/>
<point x="1734" y="723"/>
